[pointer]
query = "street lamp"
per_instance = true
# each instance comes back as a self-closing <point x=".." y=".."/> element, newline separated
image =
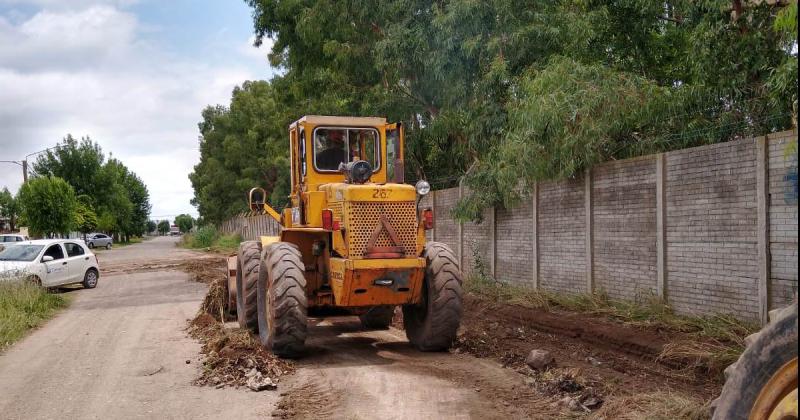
<point x="24" y="162"/>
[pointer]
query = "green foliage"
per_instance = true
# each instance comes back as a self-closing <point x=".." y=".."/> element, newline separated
<point x="24" y="306"/>
<point x="116" y="194"/>
<point x="242" y="146"/>
<point x="163" y="227"/>
<point x="48" y="205"/>
<point x="184" y="222"/>
<point x="468" y="80"/>
<point x="86" y="220"/>
<point x="151" y="226"/>
<point x="204" y="237"/>
<point x="9" y="207"/>
<point x="208" y="237"/>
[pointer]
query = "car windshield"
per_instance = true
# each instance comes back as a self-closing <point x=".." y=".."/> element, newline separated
<point x="20" y="253"/>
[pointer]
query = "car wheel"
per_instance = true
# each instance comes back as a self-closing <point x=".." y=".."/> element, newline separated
<point x="90" y="279"/>
<point x="90" y="245"/>
<point x="108" y="245"/>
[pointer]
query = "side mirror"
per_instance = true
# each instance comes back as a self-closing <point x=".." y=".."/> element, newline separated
<point x="47" y="258"/>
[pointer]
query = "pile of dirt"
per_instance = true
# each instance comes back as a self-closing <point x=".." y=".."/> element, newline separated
<point x="233" y="356"/>
<point x="215" y="302"/>
<point x="206" y="270"/>
<point x="597" y="360"/>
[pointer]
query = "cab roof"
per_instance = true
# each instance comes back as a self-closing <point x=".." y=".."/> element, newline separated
<point x="344" y="121"/>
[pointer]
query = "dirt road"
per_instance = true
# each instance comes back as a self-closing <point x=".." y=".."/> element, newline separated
<point x="120" y="351"/>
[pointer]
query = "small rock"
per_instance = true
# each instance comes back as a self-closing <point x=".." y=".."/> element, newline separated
<point x="592" y="402"/>
<point x="572" y="404"/>
<point x="259" y="382"/>
<point x="593" y="361"/>
<point x="188" y="361"/>
<point x="539" y="359"/>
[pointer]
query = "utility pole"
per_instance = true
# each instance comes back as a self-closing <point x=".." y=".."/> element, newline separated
<point x="24" y="162"/>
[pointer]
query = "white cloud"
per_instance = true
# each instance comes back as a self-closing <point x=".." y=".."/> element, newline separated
<point x="89" y="72"/>
<point x="258" y="53"/>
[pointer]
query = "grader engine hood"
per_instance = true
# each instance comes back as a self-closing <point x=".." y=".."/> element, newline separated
<point x="377" y="221"/>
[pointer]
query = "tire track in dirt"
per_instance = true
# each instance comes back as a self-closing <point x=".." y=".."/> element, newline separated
<point x="352" y="373"/>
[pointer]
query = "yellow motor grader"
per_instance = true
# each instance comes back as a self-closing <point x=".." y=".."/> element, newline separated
<point x="352" y="237"/>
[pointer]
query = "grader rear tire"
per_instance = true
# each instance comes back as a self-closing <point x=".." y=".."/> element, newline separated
<point x="377" y="318"/>
<point x="432" y="325"/>
<point x="282" y="301"/>
<point x="247" y="265"/>
<point x="761" y="382"/>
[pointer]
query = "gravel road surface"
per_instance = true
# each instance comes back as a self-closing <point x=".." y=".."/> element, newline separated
<point x="120" y="351"/>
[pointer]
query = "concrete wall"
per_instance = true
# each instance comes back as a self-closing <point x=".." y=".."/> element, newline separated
<point x="711" y="229"/>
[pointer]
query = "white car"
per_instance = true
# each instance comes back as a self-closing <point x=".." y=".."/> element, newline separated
<point x="13" y="237"/>
<point x="50" y="262"/>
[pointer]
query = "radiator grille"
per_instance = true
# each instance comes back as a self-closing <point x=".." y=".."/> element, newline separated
<point x="363" y="218"/>
<point x="336" y="208"/>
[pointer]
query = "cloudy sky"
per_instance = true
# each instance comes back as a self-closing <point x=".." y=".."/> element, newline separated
<point x="133" y="75"/>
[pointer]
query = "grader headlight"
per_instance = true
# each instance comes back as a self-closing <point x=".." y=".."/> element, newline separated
<point x="423" y="187"/>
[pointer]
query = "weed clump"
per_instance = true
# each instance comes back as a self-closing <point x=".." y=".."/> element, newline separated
<point x="208" y="237"/>
<point x="24" y="306"/>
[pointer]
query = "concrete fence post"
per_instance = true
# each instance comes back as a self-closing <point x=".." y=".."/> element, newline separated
<point x="433" y="207"/>
<point x="535" y="236"/>
<point x="661" y="227"/>
<point x="588" y="229"/>
<point x="460" y="231"/>
<point x="762" y="232"/>
<point x="493" y="239"/>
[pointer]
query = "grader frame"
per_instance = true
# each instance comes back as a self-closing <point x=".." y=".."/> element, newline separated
<point x="352" y="237"/>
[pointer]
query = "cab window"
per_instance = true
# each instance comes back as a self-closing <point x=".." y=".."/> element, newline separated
<point x="73" y="250"/>
<point x="302" y="152"/>
<point x="55" y="252"/>
<point x="334" y="146"/>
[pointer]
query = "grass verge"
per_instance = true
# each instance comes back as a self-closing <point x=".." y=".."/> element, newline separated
<point x="24" y="306"/>
<point x="211" y="239"/>
<point x="712" y="342"/>
<point x="131" y="241"/>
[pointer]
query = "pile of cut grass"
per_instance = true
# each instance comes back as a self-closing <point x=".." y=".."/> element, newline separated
<point x="654" y="406"/>
<point x="24" y="306"/>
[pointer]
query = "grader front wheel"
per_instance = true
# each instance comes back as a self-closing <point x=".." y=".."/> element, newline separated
<point x="282" y="302"/>
<point x="432" y="324"/>
<point x="246" y="278"/>
<point x="762" y="384"/>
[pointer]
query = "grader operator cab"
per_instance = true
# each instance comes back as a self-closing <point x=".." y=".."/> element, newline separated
<point x="353" y="237"/>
